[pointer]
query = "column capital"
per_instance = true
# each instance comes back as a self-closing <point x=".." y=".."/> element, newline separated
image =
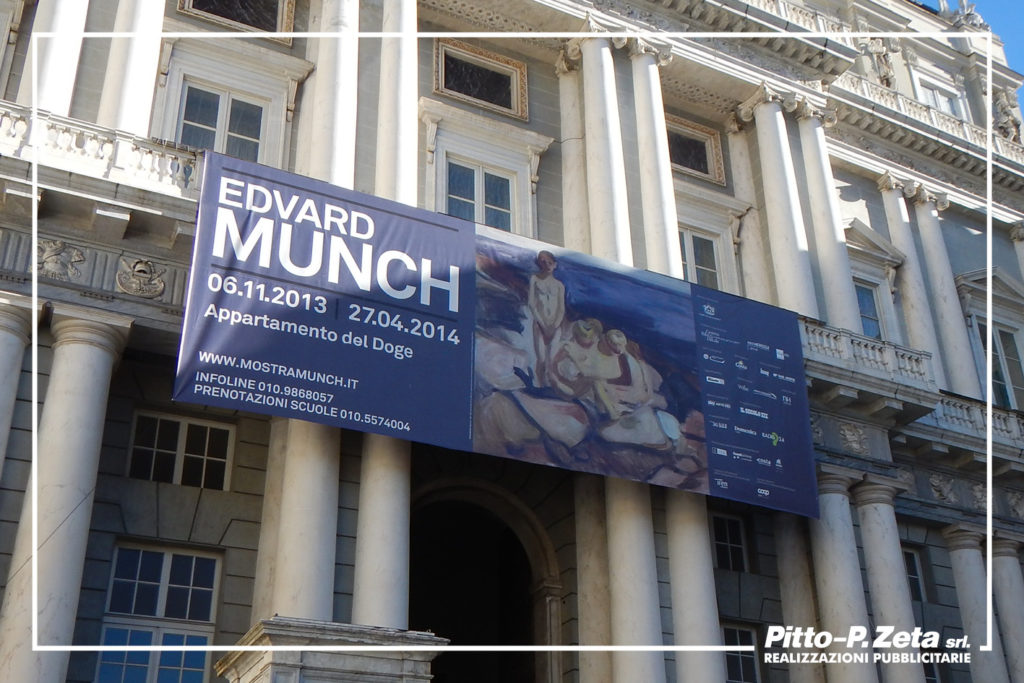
<point x="920" y="194"/>
<point x="107" y="331"/>
<point x="887" y="182"/>
<point x="1006" y="547"/>
<point x="835" y="482"/>
<point x="870" y="492"/>
<point x="805" y="109"/>
<point x="661" y="52"/>
<point x="763" y="95"/>
<point x="962" y="537"/>
<point x="1017" y="231"/>
<point x="15" y="317"/>
<point x="567" y="63"/>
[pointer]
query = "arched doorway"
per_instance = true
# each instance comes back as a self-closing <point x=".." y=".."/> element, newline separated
<point x="482" y="573"/>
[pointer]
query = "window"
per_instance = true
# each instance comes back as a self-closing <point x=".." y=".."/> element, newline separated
<point x="870" y="321"/>
<point x="186" y="452"/>
<point x="699" y="261"/>
<point x="478" y="194"/>
<point x="943" y="100"/>
<point x="912" y="562"/>
<point x="481" y="169"/>
<point x="158" y="597"/>
<point x="695" y="149"/>
<point x="1007" y="371"/>
<point x="249" y="15"/>
<point x="486" y="79"/>
<point x="730" y="543"/>
<point x="222" y="122"/>
<point x="740" y="666"/>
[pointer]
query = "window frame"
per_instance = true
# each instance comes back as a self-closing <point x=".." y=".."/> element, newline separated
<point x="285" y="19"/>
<point x="505" y="149"/>
<point x="179" y="457"/>
<point x="873" y="289"/>
<point x="225" y="97"/>
<point x="712" y="140"/>
<point x="687" y="235"/>
<point x="712" y="215"/>
<point x="743" y="545"/>
<point x="515" y="69"/>
<point x="954" y="94"/>
<point x="754" y="656"/>
<point x="915" y="556"/>
<point x="480" y="171"/>
<point x="874" y="262"/>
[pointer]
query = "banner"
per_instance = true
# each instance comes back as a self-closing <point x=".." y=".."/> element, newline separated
<point x="318" y="303"/>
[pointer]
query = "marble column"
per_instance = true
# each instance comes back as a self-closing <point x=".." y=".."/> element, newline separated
<point x="952" y="328"/>
<point x="381" y="584"/>
<point x="575" y="216"/>
<point x="837" y="571"/>
<point x="1008" y="585"/>
<point x="56" y="67"/>
<point x="965" y="554"/>
<point x="747" y="232"/>
<point x="15" y="328"/>
<point x="86" y="345"/>
<point x="796" y="585"/>
<point x="791" y="263"/>
<point x="131" y="67"/>
<point x="657" y="193"/>
<point x="910" y="285"/>
<point x="841" y="306"/>
<point x="887" y="575"/>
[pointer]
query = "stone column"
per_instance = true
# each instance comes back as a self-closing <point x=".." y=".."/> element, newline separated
<point x="657" y="193"/>
<point x="57" y="58"/>
<point x="86" y="345"/>
<point x="796" y="586"/>
<point x="132" y="67"/>
<point x="694" y="595"/>
<point x="964" y="545"/>
<point x="15" y="327"/>
<point x="1017" y="235"/>
<point x="381" y="584"/>
<point x="747" y="232"/>
<point x="633" y="580"/>
<point x="910" y="285"/>
<point x="956" y="346"/>
<point x="841" y="305"/>
<point x="575" y="219"/>
<point x="887" y="574"/>
<point x="335" y="94"/>
<point x="837" y="570"/>
<point x="791" y="261"/>
<point x="1008" y="585"/>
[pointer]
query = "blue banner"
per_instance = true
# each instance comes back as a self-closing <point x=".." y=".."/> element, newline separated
<point x="318" y="303"/>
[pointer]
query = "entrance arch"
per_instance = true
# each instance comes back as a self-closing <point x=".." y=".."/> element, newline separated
<point x="484" y="570"/>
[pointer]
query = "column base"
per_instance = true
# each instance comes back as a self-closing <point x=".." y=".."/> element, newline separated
<point x="340" y="666"/>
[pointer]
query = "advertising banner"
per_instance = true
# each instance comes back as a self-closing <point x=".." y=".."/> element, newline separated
<point x="314" y="302"/>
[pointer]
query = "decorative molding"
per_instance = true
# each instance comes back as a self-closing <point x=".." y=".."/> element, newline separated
<point x="887" y="182"/>
<point x="1015" y="501"/>
<point x="140" y="277"/>
<point x="763" y="95"/>
<point x="943" y="488"/>
<point x="640" y="46"/>
<point x="57" y="259"/>
<point x="920" y="194"/>
<point x="853" y="438"/>
<point x="979" y="496"/>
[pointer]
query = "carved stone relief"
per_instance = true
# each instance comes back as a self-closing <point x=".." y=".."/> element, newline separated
<point x="853" y="438"/>
<point x="57" y="259"/>
<point x="140" y="277"/>
<point x="942" y="488"/>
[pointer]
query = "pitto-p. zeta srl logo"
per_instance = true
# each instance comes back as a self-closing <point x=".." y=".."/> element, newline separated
<point x="807" y="645"/>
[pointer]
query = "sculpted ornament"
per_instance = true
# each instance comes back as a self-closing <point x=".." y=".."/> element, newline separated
<point x="1016" y="502"/>
<point x="57" y="259"/>
<point x="979" y="495"/>
<point x="1006" y="121"/>
<point x="140" y="277"/>
<point x="942" y="488"/>
<point x="853" y="438"/>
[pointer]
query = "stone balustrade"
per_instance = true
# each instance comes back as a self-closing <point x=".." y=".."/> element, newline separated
<point x="866" y="355"/>
<point x="81" y="147"/>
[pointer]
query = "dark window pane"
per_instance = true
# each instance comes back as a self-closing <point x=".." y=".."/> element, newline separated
<point x="687" y="152"/>
<point x="177" y="603"/>
<point x="167" y="436"/>
<point x="703" y="253"/>
<point x="201" y="107"/>
<point x="199" y="609"/>
<point x="151" y="566"/>
<point x="121" y="594"/>
<point x="145" y="599"/>
<point x="214" y="475"/>
<point x="195" y="660"/>
<point x="163" y="467"/>
<point x="217" y="445"/>
<point x="141" y="466"/>
<point x="127" y="566"/>
<point x="191" y="677"/>
<point x="135" y="674"/>
<point x="192" y="471"/>
<point x="260" y="14"/>
<point x="114" y="636"/>
<point x="497" y="192"/>
<point x="168" y="675"/>
<point x="195" y="440"/>
<point x="707" y="278"/>
<point x="240" y="148"/>
<point x="174" y="639"/>
<point x="477" y="81"/>
<point x="200" y="138"/>
<point x="461" y="209"/>
<point x="245" y="119"/>
<point x="497" y="218"/>
<point x="461" y="181"/>
<point x="145" y="431"/>
<point x="181" y="570"/>
<point x="204" y="571"/>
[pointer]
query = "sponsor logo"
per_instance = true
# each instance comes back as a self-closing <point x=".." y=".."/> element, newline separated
<point x="757" y="346"/>
<point x="714" y="380"/>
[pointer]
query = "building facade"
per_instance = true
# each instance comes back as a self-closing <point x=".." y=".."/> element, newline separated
<point x="839" y="176"/>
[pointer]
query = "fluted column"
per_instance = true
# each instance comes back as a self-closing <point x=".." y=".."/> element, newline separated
<point x="68" y="455"/>
<point x="956" y="346"/>
<point x="1008" y="585"/>
<point x="57" y="57"/>
<point x="796" y="586"/>
<point x="131" y="67"/>
<point x="964" y="545"/>
<point x="827" y="221"/>
<point x="657" y="194"/>
<point x="15" y="326"/>
<point x="837" y="571"/>
<point x="887" y="575"/>
<point x="790" y="258"/>
<point x="335" y="94"/>
<point x="381" y="584"/>
<point x="910" y="284"/>
<point x="633" y="580"/>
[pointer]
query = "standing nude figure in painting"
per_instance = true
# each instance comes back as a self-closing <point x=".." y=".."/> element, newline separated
<point x="547" y="304"/>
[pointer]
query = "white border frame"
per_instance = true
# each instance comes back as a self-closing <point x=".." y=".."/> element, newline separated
<point x="985" y="36"/>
